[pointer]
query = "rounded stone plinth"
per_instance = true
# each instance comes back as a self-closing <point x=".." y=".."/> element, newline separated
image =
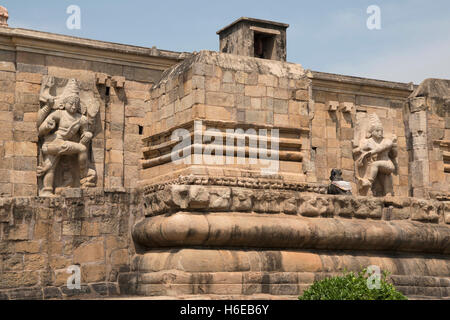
<point x="242" y="230"/>
<point x="275" y="272"/>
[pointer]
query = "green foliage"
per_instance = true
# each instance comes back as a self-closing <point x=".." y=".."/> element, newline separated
<point x="351" y="286"/>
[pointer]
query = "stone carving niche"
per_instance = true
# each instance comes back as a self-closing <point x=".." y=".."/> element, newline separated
<point x="67" y="122"/>
<point x="375" y="156"/>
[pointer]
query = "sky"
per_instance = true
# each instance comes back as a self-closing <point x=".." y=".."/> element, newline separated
<point x="412" y="44"/>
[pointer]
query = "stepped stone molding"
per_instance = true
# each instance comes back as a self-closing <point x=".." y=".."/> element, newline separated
<point x="174" y="197"/>
<point x="277" y="272"/>
<point x="254" y="183"/>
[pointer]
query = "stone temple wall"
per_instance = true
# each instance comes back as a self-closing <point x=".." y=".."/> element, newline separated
<point x="88" y="176"/>
<point x="40" y="238"/>
<point x="115" y="79"/>
<point x="230" y="228"/>
<point x="226" y="92"/>
<point x="340" y="112"/>
<point x="417" y="116"/>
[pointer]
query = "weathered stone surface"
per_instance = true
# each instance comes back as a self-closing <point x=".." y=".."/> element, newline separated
<point x="321" y="118"/>
<point x="74" y="132"/>
<point x="376" y="158"/>
<point x="100" y="288"/>
<point x="90" y="252"/>
<point x="52" y="293"/>
<point x="234" y="229"/>
<point x="239" y="38"/>
<point x="423" y="211"/>
<point x="26" y="294"/>
<point x="84" y="290"/>
<point x="198" y="270"/>
<point x="315" y="207"/>
<point x="93" y="273"/>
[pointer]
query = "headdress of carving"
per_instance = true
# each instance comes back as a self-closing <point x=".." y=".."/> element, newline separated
<point x="72" y="99"/>
<point x="72" y="89"/>
<point x="374" y="123"/>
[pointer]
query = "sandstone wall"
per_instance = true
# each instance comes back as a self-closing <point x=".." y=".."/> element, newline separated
<point x="237" y="231"/>
<point x="417" y="115"/>
<point x="40" y="238"/>
<point x="428" y="126"/>
<point x="195" y="207"/>
<point x="119" y="77"/>
<point x="341" y="103"/>
<point x="280" y="272"/>
<point x="226" y="91"/>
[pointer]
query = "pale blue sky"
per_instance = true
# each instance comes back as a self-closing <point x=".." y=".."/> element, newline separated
<point x="331" y="36"/>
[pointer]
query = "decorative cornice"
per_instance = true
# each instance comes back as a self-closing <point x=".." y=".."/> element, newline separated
<point x="252" y="183"/>
<point x="207" y="195"/>
<point x="86" y="49"/>
<point x="356" y="85"/>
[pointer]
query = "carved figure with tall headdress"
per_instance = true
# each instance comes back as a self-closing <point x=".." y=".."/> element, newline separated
<point x="64" y="129"/>
<point x="376" y="160"/>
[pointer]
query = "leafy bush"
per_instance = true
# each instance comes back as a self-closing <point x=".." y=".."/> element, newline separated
<point x="351" y="286"/>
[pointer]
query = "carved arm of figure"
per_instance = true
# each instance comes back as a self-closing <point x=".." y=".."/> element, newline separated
<point x="362" y="153"/>
<point x="88" y="175"/>
<point x="45" y="99"/>
<point x="46" y="109"/>
<point x="86" y="135"/>
<point x="393" y="154"/>
<point x="49" y="124"/>
<point x="358" y="149"/>
<point x="385" y="145"/>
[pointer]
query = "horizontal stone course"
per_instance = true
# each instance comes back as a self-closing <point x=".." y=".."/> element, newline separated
<point x="234" y="229"/>
<point x="248" y="272"/>
<point x="173" y="198"/>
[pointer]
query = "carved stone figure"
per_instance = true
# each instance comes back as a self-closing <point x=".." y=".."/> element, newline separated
<point x="338" y="185"/>
<point x="376" y="160"/>
<point x="316" y="206"/>
<point x="64" y="130"/>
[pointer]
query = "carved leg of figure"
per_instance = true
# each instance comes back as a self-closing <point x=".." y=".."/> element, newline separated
<point x="90" y="180"/>
<point x="82" y="161"/>
<point x="371" y="176"/>
<point x="47" y="189"/>
<point x="88" y="176"/>
<point x="47" y="163"/>
<point x="388" y="185"/>
<point x="47" y="170"/>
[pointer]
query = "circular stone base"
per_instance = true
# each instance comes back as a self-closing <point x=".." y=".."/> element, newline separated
<point x="276" y="272"/>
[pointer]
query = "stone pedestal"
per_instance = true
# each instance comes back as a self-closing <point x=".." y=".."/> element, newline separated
<point x="217" y="221"/>
<point x="199" y="239"/>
